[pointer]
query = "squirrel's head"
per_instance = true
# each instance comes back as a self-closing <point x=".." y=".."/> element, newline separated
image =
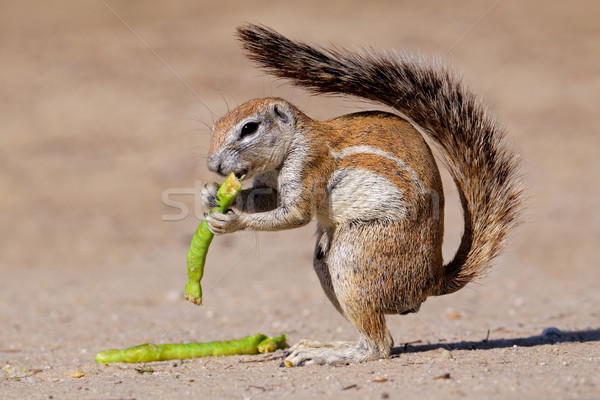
<point x="253" y="138"/>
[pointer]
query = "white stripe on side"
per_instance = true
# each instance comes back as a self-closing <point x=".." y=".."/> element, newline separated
<point x="364" y="149"/>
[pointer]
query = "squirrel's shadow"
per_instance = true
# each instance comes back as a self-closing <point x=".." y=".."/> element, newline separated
<point x="553" y="337"/>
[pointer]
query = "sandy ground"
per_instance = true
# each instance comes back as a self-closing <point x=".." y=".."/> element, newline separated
<point x="102" y="117"/>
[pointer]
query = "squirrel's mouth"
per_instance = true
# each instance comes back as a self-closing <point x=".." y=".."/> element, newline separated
<point x="241" y="174"/>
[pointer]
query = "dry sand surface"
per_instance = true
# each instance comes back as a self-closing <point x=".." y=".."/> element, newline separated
<point x="104" y="107"/>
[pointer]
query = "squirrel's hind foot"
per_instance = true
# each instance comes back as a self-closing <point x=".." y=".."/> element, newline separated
<point x="308" y="352"/>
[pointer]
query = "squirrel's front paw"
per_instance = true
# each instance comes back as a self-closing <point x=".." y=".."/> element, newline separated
<point x="208" y="195"/>
<point x="220" y="223"/>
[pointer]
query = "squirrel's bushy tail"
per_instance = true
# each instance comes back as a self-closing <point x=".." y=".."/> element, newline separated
<point x="432" y="97"/>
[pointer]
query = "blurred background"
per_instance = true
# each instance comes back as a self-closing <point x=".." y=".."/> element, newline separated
<point x="105" y="107"/>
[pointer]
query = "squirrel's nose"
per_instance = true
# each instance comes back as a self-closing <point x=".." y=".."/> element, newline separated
<point x="213" y="164"/>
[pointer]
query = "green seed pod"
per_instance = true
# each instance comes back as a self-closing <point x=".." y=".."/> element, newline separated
<point x="203" y="237"/>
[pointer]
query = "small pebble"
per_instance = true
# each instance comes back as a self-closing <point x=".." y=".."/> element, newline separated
<point x="446" y="355"/>
<point x="551" y="333"/>
<point x="77" y="374"/>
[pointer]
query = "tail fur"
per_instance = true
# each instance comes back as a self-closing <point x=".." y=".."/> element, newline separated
<point x="483" y="167"/>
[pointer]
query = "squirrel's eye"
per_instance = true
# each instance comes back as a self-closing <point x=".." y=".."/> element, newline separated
<point x="248" y="129"/>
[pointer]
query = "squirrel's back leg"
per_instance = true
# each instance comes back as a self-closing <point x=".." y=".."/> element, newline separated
<point x="368" y="270"/>
<point x="357" y="282"/>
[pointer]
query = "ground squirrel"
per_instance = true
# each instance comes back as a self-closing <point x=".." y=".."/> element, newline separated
<point x="370" y="180"/>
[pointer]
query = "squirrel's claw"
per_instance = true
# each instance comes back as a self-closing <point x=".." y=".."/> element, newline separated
<point x="208" y="195"/>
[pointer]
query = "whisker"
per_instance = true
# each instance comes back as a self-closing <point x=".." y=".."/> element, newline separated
<point x="212" y="113"/>
<point x="225" y="100"/>
<point x="198" y="147"/>
<point x="232" y="97"/>
<point x="198" y="129"/>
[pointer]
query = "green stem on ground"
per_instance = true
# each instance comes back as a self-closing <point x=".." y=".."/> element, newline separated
<point x="163" y="352"/>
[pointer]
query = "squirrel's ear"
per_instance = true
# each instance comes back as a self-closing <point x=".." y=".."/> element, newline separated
<point x="281" y="112"/>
